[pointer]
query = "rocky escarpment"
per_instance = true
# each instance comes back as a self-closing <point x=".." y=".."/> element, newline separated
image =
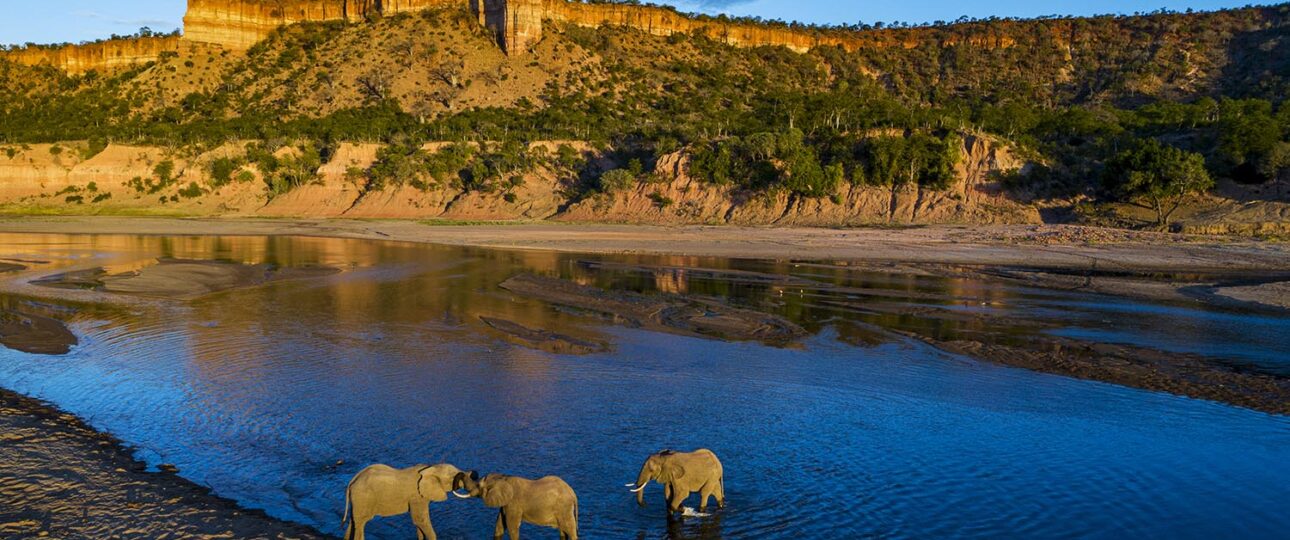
<point x="108" y="54"/>
<point x="975" y="197"/>
<point x="239" y="24"/>
<point x="125" y="178"/>
<point x="518" y="24"/>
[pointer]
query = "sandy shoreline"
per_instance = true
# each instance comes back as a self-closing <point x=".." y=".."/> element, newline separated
<point x="1039" y="246"/>
<point x="62" y="479"/>
<point x="1171" y="267"/>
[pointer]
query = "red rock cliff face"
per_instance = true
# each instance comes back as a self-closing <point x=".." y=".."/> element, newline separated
<point x="103" y="55"/>
<point x="518" y="24"/>
<point x="238" y="24"/>
<point x="665" y="22"/>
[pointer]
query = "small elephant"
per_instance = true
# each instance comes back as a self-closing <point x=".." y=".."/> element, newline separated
<point x="547" y="502"/>
<point x="381" y="490"/>
<point x="681" y="474"/>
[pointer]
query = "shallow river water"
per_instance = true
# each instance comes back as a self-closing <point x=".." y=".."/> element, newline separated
<point x="275" y="395"/>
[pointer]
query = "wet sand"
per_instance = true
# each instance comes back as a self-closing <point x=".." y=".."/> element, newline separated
<point x="544" y="340"/>
<point x="1275" y="293"/>
<point x="677" y="314"/>
<point x="180" y="278"/>
<point x="61" y="479"/>
<point x="34" y="334"/>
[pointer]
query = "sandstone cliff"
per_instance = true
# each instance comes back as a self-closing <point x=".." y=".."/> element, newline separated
<point x="109" y="54"/>
<point x="518" y="25"/>
<point x="975" y="197"/>
<point x="123" y="178"/>
<point x="239" y="24"/>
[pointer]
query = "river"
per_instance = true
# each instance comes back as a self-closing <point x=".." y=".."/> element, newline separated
<point x="276" y="395"/>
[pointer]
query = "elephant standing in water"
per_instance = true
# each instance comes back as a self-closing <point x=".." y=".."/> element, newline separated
<point x="380" y="490"/>
<point x="548" y="502"/>
<point x="681" y="474"/>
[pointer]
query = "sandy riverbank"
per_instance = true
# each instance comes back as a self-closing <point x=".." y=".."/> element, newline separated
<point x="61" y="479"/>
<point x="1042" y="246"/>
<point x="1145" y="264"/>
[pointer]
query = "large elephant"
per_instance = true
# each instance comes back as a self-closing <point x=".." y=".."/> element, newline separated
<point x="381" y="490"/>
<point x="681" y="474"/>
<point x="548" y="502"/>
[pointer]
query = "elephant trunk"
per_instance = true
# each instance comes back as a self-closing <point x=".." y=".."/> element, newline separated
<point x="641" y="481"/>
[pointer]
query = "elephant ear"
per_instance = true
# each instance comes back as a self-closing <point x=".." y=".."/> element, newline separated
<point x="430" y="486"/>
<point x="498" y="494"/>
<point x="671" y="472"/>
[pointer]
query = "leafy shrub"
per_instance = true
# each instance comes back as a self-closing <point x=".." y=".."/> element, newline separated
<point x="95" y="146"/>
<point x="617" y="180"/>
<point x="192" y="191"/>
<point x="221" y="171"/>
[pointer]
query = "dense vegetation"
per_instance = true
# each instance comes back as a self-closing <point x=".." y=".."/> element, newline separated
<point x="1152" y="104"/>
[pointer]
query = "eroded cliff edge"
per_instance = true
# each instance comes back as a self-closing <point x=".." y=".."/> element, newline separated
<point x="517" y="24"/>
<point x="124" y="179"/>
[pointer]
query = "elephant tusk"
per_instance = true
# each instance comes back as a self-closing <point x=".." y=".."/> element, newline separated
<point x="460" y="495"/>
<point x="637" y="490"/>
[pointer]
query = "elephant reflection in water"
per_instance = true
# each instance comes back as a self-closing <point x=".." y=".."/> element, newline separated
<point x="681" y="474"/>
<point x="380" y="490"/>
<point x="548" y="502"/>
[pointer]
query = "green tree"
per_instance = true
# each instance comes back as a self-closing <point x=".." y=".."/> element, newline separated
<point x="1161" y="175"/>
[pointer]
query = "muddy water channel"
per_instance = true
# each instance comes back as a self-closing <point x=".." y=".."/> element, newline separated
<point x="843" y="402"/>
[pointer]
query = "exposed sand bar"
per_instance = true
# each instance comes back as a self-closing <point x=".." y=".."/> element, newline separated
<point x="179" y="278"/>
<point x="34" y="333"/>
<point x="1039" y="246"/>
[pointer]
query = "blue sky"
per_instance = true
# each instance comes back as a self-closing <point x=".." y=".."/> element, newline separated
<point x="50" y="21"/>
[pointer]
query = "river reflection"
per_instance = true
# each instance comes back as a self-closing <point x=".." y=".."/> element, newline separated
<point x="275" y="395"/>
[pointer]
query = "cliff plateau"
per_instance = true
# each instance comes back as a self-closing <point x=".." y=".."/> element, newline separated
<point x="516" y="24"/>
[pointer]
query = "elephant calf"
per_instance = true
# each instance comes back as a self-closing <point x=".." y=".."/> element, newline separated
<point x="548" y="502"/>
<point x="380" y="490"/>
<point x="681" y="474"/>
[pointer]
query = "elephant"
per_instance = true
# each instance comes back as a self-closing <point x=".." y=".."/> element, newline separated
<point x="547" y="502"/>
<point x="681" y="474"/>
<point x="381" y="490"/>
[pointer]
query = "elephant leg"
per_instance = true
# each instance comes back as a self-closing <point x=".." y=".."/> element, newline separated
<point x="500" y="527"/>
<point x="421" y="518"/>
<point x="359" y="524"/>
<point x="513" y="520"/>
<point x="568" y="526"/>
<point x="677" y="497"/>
<point x="721" y="493"/>
<point x="705" y="493"/>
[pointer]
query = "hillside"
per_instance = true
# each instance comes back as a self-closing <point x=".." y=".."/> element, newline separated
<point x="636" y="113"/>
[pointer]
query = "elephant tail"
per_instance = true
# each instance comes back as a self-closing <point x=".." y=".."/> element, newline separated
<point x="344" y="520"/>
